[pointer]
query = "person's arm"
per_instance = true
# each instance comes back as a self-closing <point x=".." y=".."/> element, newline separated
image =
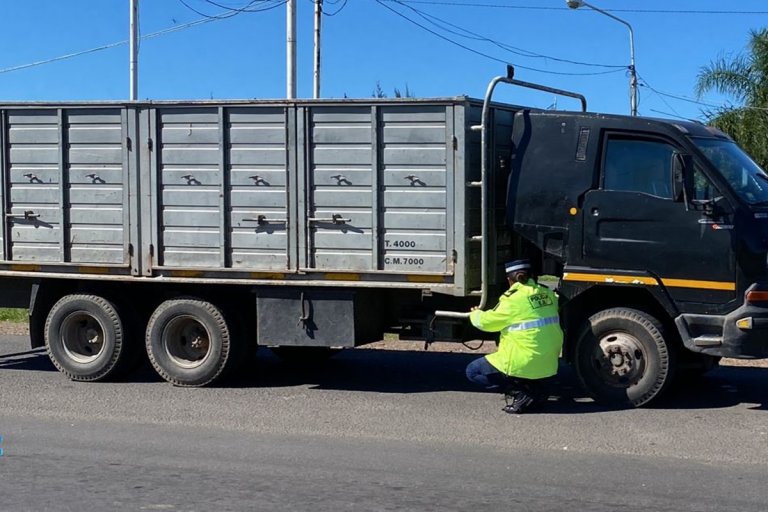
<point x="496" y="319"/>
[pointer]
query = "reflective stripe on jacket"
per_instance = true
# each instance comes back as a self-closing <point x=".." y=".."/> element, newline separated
<point x="531" y="338"/>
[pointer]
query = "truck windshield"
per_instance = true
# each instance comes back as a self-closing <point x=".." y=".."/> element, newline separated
<point x="746" y="178"/>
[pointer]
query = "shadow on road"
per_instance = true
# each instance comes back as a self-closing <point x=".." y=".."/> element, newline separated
<point x="395" y="371"/>
<point x="724" y="387"/>
<point x="386" y="371"/>
<point x="33" y="360"/>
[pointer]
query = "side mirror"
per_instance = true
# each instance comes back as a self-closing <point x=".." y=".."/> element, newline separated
<point x="682" y="176"/>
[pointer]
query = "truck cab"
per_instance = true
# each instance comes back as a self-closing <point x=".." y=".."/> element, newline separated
<point x="657" y="229"/>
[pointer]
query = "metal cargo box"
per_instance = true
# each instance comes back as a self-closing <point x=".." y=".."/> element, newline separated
<point x="312" y="193"/>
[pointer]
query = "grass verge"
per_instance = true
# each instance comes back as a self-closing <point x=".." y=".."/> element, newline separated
<point x="15" y="315"/>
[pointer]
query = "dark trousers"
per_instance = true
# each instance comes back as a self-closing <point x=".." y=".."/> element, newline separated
<point x="481" y="372"/>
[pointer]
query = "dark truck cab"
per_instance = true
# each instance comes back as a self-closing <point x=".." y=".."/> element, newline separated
<point x="659" y="232"/>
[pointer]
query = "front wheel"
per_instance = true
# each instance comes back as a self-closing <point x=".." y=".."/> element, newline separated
<point x="622" y="357"/>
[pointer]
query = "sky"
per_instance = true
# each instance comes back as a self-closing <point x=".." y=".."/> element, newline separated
<point x="435" y="48"/>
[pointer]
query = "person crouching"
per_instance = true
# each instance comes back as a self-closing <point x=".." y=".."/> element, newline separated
<point x="530" y="341"/>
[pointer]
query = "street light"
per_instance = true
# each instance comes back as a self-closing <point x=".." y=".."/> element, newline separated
<point x="575" y="4"/>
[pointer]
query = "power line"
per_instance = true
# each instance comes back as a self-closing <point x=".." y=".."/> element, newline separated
<point x="340" y="8"/>
<point x="434" y="20"/>
<point x="110" y="45"/>
<point x="482" y="54"/>
<point x="234" y="11"/>
<point x="686" y="99"/>
<point x="547" y="8"/>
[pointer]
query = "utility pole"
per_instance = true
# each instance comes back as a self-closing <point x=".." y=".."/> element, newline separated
<point x="318" y="20"/>
<point x="290" y="29"/>
<point x="575" y="4"/>
<point x="134" y="78"/>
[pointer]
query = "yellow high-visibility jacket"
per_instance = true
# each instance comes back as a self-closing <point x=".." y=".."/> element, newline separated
<point x="531" y="338"/>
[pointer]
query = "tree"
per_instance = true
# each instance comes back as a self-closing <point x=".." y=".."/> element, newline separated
<point x="745" y="79"/>
<point x="378" y="92"/>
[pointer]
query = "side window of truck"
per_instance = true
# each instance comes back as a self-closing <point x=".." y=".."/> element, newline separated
<point x="638" y="165"/>
<point x="702" y="187"/>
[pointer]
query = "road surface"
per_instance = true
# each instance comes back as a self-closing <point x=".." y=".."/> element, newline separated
<point x="371" y="430"/>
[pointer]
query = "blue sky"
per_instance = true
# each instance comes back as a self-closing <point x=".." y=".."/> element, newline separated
<point x="365" y="43"/>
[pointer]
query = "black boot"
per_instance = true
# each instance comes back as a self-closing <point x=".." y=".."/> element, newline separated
<point x="518" y="402"/>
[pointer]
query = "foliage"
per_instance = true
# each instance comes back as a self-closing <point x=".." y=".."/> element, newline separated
<point x="378" y="92"/>
<point x="13" y="315"/>
<point x="745" y="79"/>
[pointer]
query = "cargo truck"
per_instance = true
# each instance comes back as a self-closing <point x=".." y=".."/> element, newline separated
<point x="195" y="231"/>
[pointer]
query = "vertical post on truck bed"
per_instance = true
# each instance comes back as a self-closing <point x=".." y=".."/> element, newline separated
<point x="5" y="244"/>
<point x="485" y="157"/>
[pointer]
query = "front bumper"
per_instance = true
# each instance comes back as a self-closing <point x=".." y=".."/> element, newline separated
<point x="722" y="336"/>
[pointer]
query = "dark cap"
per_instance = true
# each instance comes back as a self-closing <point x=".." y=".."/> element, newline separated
<point x="517" y="266"/>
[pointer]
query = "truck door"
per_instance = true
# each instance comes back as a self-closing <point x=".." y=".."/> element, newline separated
<point x="32" y="177"/>
<point x="221" y="181"/>
<point x="339" y="188"/>
<point x="632" y="222"/>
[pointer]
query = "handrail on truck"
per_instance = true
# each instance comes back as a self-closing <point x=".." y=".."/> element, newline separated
<point x="483" y="183"/>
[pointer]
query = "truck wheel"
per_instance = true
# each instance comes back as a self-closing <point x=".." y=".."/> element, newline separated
<point x="188" y="342"/>
<point x="622" y="357"/>
<point x="84" y="337"/>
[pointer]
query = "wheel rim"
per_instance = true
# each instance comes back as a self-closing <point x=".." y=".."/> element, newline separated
<point x="82" y="337"/>
<point x="619" y="359"/>
<point x="187" y="341"/>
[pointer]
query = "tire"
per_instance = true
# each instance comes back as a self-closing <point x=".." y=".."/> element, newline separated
<point x="84" y="338"/>
<point x="622" y="357"/>
<point x="188" y="342"/>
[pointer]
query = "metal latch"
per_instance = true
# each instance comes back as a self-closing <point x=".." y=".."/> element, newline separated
<point x="334" y="219"/>
<point x="262" y="220"/>
<point x="27" y="215"/>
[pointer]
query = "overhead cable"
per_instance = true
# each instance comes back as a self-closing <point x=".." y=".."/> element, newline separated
<point x="434" y="20"/>
<point x="550" y="8"/>
<point x="383" y="3"/>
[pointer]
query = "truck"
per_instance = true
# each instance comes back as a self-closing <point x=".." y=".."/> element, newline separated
<point x="195" y="231"/>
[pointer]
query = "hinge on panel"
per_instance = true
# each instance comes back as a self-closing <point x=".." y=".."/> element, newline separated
<point x="129" y="143"/>
<point x="455" y="143"/>
<point x="149" y="144"/>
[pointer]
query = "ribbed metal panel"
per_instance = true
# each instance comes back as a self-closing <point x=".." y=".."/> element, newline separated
<point x="97" y="178"/>
<point x="189" y="184"/>
<point x="258" y="180"/>
<point x="33" y="185"/>
<point x="415" y="151"/>
<point x="340" y="183"/>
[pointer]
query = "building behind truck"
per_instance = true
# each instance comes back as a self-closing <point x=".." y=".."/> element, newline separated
<point x="197" y="230"/>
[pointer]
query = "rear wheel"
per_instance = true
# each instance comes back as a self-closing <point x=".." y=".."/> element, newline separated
<point x="188" y="342"/>
<point x="623" y="358"/>
<point x="84" y="337"/>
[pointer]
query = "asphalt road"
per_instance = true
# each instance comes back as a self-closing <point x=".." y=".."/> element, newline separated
<point x="371" y="430"/>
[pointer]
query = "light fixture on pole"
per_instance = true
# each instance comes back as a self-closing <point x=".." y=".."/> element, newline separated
<point x="575" y="4"/>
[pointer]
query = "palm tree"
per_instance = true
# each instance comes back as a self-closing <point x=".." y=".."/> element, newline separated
<point x="745" y="79"/>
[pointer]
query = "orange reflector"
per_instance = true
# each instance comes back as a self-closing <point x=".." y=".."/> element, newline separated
<point x="744" y="323"/>
<point x="756" y="296"/>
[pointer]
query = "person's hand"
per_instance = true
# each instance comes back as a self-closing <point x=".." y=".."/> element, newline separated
<point x="473" y="308"/>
